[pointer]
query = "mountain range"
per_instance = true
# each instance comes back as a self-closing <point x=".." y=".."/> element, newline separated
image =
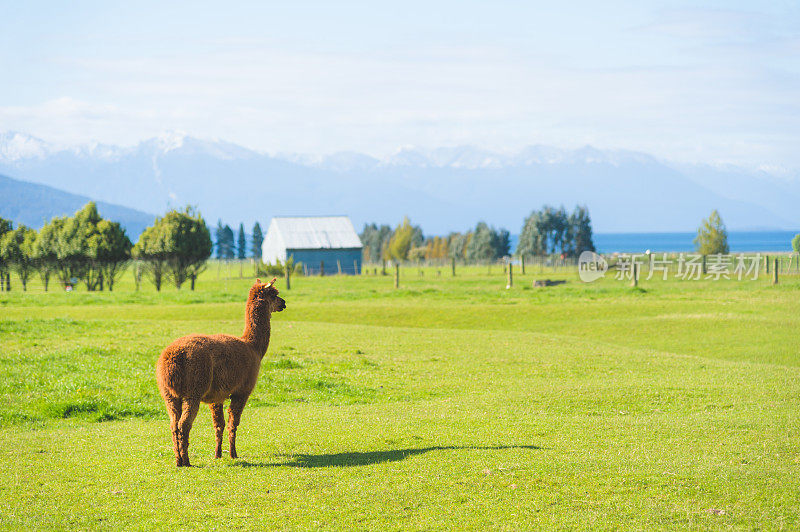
<point x="34" y="205"/>
<point x="442" y="189"/>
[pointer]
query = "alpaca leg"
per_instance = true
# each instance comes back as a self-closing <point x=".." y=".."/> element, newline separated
<point x="234" y="415"/>
<point x="189" y="412"/>
<point x="174" y="411"/>
<point x="218" y="417"/>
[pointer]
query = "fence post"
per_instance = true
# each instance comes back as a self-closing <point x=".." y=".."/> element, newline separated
<point x="322" y="268"/>
<point x="355" y="267"/>
<point x="522" y="264"/>
<point x="766" y="263"/>
<point x="510" y="276"/>
<point x="635" y="275"/>
<point x="704" y="264"/>
<point x="288" y="277"/>
<point x="383" y="269"/>
<point x="339" y="266"/>
<point x="775" y="272"/>
<point x="397" y="275"/>
<point x="453" y="263"/>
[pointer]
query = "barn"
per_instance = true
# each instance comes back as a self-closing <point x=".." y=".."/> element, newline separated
<point x="322" y="243"/>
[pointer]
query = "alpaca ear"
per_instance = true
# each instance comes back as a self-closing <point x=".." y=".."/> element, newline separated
<point x="272" y="282"/>
<point x="258" y="281"/>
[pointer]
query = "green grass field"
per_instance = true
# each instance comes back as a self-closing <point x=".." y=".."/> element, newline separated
<point x="451" y="403"/>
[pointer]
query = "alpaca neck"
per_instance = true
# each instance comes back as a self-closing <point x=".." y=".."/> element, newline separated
<point x="256" y="328"/>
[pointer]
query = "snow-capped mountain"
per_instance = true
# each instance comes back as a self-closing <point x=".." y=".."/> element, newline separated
<point x="442" y="189"/>
<point x="15" y="146"/>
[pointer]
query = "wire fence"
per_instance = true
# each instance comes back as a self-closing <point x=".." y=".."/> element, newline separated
<point x="643" y="266"/>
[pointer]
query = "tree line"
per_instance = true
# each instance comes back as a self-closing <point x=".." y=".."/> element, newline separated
<point x="545" y="232"/>
<point x="407" y="242"/>
<point x="81" y="248"/>
<point x="85" y="248"/>
<point x="239" y="248"/>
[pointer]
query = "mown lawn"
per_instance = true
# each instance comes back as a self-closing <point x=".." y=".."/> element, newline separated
<point x="450" y="403"/>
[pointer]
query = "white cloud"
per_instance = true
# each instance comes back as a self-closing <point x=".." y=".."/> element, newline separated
<point x="679" y="87"/>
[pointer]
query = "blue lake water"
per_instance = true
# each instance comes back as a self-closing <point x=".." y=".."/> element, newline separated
<point x="739" y="241"/>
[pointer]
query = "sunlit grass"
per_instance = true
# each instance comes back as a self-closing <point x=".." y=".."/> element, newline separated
<point x="447" y="403"/>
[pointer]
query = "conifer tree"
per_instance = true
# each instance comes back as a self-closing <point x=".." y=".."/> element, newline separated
<point x="257" y="240"/>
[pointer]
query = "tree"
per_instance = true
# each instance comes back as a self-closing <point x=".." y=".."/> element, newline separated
<point x="44" y="252"/>
<point x="67" y="242"/>
<point x="417" y="238"/>
<point x="241" y="243"/>
<point x="481" y="246"/>
<point x="436" y="248"/>
<point x="257" y="240"/>
<point x="554" y="227"/>
<point x="225" y="244"/>
<point x="86" y="221"/>
<point x="457" y="245"/>
<point x="502" y="243"/>
<point x="375" y="241"/>
<point x="177" y="246"/>
<point x="404" y="238"/>
<point x="16" y="249"/>
<point x="110" y="247"/>
<point x="581" y="231"/>
<point x="67" y="246"/>
<point x="796" y="243"/>
<point x="219" y="235"/>
<point x="230" y="249"/>
<point x="188" y="259"/>
<point x="533" y="237"/>
<point x="151" y="250"/>
<point x="550" y="230"/>
<point x="487" y="243"/>
<point x="712" y="237"/>
<point x="5" y="276"/>
<point x="416" y="254"/>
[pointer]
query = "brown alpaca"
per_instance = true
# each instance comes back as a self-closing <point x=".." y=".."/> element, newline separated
<point x="209" y="369"/>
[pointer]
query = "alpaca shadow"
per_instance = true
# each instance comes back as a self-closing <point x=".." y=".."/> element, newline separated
<point x="357" y="459"/>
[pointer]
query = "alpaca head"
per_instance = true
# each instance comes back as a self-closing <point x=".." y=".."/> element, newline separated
<point x="266" y="294"/>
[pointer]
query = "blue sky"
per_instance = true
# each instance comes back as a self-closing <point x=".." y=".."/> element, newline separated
<point x="710" y="82"/>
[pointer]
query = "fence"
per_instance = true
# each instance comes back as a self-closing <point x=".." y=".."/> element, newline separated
<point x="787" y="264"/>
<point x="772" y="265"/>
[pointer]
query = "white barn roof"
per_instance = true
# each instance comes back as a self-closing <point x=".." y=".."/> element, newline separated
<point x="315" y="232"/>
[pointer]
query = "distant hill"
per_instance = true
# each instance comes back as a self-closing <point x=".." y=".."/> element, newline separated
<point x="34" y="205"/>
<point x="442" y="189"/>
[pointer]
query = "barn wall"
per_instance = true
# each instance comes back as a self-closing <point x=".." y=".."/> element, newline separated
<point x="272" y="249"/>
<point x="311" y="258"/>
